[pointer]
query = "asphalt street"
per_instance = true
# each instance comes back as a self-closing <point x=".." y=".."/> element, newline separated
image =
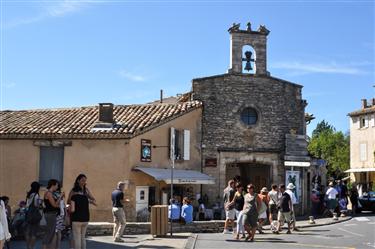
<point x="357" y="233"/>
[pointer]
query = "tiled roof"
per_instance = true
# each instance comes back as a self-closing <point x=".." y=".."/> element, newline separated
<point x="366" y="110"/>
<point x="130" y="120"/>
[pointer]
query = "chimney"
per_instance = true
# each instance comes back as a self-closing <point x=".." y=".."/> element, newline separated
<point x="364" y="103"/>
<point x="106" y="112"/>
<point x="161" y="96"/>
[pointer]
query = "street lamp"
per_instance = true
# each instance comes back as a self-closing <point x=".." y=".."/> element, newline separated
<point x="172" y="158"/>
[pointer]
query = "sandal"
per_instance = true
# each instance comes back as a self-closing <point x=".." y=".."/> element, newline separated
<point x="247" y="238"/>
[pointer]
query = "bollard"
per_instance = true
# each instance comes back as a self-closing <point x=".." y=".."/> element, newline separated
<point x="335" y="216"/>
<point x="311" y="220"/>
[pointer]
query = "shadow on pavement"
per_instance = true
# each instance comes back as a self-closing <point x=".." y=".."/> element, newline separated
<point x="263" y="240"/>
<point x="102" y="245"/>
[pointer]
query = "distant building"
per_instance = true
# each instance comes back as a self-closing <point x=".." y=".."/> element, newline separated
<point x="362" y="144"/>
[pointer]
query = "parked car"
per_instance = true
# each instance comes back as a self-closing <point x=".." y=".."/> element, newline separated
<point x="367" y="201"/>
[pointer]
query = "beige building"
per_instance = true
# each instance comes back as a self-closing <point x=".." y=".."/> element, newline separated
<point x="362" y="144"/>
<point x="109" y="144"/>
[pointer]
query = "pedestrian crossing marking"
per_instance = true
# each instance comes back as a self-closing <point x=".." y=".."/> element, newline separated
<point x="361" y="219"/>
<point x="347" y="225"/>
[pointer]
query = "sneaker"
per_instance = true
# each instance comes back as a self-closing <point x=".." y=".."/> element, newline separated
<point x="119" y="240"/>
<point x="225" y="231"/>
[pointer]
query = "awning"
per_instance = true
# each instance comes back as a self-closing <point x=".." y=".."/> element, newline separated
<point x="358" y="170"/>
<point x="180" y="176"/>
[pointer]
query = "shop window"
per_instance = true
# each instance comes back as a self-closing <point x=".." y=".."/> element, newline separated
<point x="51" y="164"/>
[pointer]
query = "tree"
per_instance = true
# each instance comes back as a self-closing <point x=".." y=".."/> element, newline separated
<point x="332" y="146"/>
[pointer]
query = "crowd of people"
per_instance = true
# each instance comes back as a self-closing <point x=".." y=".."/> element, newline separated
<point x="252" y="210"/>
<point x="51" y="213"/>
<point x="60" y="216"/>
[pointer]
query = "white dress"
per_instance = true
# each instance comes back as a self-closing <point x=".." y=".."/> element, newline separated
<point x="4" y="231"/>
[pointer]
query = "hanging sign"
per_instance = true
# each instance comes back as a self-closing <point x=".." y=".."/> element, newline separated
<point x="145" y="150"/>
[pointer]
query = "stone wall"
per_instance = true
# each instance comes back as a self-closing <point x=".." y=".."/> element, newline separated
<point x="280" y="111"/>
<point x="106" y="228"/>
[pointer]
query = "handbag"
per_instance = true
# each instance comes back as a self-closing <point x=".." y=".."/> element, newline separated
<point x="33" y="215"/>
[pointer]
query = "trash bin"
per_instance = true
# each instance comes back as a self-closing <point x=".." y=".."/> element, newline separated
<point x="159" y="220"/>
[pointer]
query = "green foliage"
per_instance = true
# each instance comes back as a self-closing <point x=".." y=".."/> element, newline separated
<point x="332" y="146"/>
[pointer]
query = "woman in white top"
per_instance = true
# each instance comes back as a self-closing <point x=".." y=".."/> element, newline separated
<point x="4" y="231"/>
<point x="331" y="197"/>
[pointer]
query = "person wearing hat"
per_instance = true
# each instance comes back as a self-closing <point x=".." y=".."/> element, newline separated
<point x="331" y="194"/>
<point x="118" y="211"/>
<point x="290" y="190"/>
<point x="263" y="210"/>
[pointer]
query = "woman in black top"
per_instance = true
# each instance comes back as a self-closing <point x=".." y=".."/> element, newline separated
<point x="50" y="212"/>
<point x="80" y="197"/>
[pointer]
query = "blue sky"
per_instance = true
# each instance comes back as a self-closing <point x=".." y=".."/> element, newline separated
<point x="79" y="53"/>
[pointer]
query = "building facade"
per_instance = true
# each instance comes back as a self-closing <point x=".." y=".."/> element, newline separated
<point x="252" y="123"/>
<point x="362" y="144"/>
<point x="108" y="144"/>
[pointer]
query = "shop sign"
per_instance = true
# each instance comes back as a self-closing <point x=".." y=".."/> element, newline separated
<point x="145" y="150"/>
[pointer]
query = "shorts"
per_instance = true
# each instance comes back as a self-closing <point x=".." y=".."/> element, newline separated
<point x="273" y="211"/>
<point x="230" y="214"/>
<point x="284" y="216"/>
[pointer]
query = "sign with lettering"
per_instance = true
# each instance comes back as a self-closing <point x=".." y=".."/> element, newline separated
<point x="210" y="162"/>
<point x="145" y="150"/>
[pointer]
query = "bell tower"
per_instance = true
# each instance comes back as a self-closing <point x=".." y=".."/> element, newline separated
<point x="255" y="61"/>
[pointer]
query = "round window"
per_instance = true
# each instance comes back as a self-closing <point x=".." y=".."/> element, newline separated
<point x="249" y="116"/>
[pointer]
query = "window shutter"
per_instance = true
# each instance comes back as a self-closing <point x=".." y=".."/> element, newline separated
<point x="366" y="121"/>
<point x="186" y="145"/>
<point x="363" y="152"/>
<point x="172" y="144"/>
<point x="372" y="120"/>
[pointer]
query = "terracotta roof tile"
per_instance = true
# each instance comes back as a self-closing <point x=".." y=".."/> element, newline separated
<point x="368" y="110"/>
<point x="130" y="120"/>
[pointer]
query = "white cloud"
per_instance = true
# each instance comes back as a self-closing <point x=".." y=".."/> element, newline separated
<point x="131" y="76"/>
<point x="9" y="85"/>
<point x="52" y="9"/>
<point x="302" y="68"/>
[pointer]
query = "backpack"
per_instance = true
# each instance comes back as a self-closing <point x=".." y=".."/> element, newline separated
<point x="33" y="215"/>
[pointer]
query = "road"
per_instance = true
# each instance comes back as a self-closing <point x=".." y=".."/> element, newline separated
<point x="357" y="233"/>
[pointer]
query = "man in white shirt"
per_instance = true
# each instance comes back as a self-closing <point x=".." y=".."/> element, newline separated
<point x="289" y="190"/>
<point x="331" y="197"/>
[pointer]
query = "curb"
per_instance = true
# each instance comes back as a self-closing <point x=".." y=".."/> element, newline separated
<point x="190" y="243"/>
<point x="347" y="218"/>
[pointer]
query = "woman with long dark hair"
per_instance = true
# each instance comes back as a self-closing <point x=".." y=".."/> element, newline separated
<point x="51" y="210"/>
<point x="32" y="199"/>
<point x="79" y="199"/>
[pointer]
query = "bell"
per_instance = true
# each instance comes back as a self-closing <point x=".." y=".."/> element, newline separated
<point x="248" y="66"/>
<point x="248" y="60"/>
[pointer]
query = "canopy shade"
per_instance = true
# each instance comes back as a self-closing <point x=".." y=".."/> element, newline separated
<point x="357" y="170"/>
<point x="180" y="176"/>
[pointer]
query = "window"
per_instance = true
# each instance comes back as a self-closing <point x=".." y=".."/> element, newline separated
<point x="181" y="144"/>
<point x="249" y="116"/>
<point x="51" y="164"/>
<point x="142" y="195"/>
<point x="363" y="152"/>
<point x="363" y="122"/>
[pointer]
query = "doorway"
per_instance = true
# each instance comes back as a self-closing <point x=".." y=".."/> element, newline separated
<point x="257" y="174"/>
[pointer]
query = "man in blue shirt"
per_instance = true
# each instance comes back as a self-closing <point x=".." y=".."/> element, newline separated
<point x="186" y="211"/>
<point x="173" y="211"/>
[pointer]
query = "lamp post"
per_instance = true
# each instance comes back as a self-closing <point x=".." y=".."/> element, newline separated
<point x="172" y="158"/>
